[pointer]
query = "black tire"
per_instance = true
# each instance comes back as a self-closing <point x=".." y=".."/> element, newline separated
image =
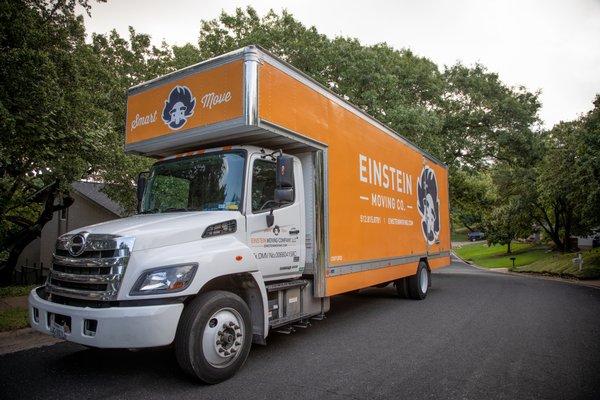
<point x="417" y="289"/>
<point x="194" y="320"/>
<point x="402" y="288"/>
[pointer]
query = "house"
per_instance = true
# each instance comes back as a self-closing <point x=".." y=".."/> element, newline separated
<point x="90" y="206"/>
<point x="591" y="241"/>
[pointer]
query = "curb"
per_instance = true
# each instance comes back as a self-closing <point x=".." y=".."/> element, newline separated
<point x="534" y="275"/>
<point x="24" y="339"/>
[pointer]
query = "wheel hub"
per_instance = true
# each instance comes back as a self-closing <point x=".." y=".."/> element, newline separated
<point x="223" y="337"/>
<point x="424" y="278"/>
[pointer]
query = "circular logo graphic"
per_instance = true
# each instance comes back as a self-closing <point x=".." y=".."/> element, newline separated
<point x="178" y="107"/>
<point x="429" y="205"/>
<point x="76" y="245"/>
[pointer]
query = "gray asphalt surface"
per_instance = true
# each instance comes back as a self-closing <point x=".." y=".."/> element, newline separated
<point x="478" y="335"/>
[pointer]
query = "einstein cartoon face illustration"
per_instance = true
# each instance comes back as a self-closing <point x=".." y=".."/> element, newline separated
<point x="429" y="217"/>
<point x="429" y="205"/>
<point x="178" y="107"/>
<point x="178" y="113"/>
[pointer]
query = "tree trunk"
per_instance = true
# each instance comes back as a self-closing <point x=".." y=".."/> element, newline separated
<point x="508" y="248"/>
<point x="567" y="230"/>
<point x="468" y="227"/>
<point x="552" y="229"/>
<point x="29" y="233"/>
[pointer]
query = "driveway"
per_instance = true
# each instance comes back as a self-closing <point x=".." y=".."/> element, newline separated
<point x="478" y="335"/>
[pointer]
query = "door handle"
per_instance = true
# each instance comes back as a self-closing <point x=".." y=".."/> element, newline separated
<point x="294" y="232"/>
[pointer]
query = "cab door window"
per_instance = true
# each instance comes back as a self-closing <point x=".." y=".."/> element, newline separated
<point x="263" y="186"/>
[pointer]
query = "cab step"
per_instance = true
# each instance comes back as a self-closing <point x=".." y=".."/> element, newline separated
<point x="286" y="330"/>
<point x="302" y="324"/>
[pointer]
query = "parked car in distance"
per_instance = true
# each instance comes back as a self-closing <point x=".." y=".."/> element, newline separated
<point x="475" y="236"/>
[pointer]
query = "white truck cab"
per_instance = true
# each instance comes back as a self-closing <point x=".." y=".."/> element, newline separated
<point x="208" y="220"/>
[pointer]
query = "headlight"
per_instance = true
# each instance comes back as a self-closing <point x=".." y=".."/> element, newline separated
<point x="165" y="279"/>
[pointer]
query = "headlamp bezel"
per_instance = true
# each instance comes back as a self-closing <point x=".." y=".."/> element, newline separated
<point x="136" y="288"/>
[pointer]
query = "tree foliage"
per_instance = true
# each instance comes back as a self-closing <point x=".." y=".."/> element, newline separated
<point x="123" y="63"/>
<point x="50" y="129"/>
<point x="568" y="179"/>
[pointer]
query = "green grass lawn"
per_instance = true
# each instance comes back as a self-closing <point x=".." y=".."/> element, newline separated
<point x="496" y="257"/>
<point x="14" y="318"/>
<point x="14" y="291"/>
<point x="532" y="258"/>
<point x="562" y="265"/>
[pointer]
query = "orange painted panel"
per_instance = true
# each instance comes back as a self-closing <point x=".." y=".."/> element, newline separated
<point x="382" y="202"/>
<point x="358" y="280"/>
<point x="197" y="100"/>
<point x="439" y="262"/>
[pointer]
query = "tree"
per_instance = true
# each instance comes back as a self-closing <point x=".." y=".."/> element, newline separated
<point x="568" y="183"/>
<point x="507" y="222"/>
<point x="588" y="152"/>
<point x="124" y="63"/>
<point x="557" y="180"/>
<point x="485" y="121"/>
<point x="473" y="194"/>
<point x="50" y="129"/>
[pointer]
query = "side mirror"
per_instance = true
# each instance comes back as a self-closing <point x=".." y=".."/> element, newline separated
<point x="141" y="186"/>
<point x="284" y="179"/>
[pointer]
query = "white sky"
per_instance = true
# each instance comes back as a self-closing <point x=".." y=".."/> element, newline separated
<point x="551" y="45"/>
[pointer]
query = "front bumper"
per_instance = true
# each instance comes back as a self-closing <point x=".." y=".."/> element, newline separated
<point x="117" y="327"/>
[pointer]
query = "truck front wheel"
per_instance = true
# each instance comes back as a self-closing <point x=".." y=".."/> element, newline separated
<point x="214" y="336"/>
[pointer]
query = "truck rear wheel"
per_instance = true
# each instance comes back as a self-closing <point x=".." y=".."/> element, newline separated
<point x="214" y="336"/>
<point x="418" y="284"/>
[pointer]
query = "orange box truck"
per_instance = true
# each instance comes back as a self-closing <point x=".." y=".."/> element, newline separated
<point x="270" y="194"/>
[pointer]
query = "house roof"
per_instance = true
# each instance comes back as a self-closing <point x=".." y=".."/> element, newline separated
<point x="93" y="192"/>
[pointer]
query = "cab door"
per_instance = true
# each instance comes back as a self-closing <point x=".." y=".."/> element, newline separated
<point x="278" y="249"/>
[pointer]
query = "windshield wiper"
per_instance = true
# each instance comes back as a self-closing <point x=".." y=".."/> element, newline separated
<point x="166" y="210"/>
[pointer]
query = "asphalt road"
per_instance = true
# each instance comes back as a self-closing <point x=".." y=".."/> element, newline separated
<point x="478" y="335"/>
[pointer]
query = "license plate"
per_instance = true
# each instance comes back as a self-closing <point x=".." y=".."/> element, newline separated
<point x="58" y="331"/>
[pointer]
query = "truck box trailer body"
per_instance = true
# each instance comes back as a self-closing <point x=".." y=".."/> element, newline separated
<point x="270" y="194"/>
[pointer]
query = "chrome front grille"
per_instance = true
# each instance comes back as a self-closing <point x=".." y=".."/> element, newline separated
<point x="89" y="266"/>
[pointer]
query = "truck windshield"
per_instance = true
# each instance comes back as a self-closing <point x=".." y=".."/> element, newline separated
<point x="208" y="182"/>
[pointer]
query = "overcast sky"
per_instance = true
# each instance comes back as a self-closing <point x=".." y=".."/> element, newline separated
<point x="547" y="45"/>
